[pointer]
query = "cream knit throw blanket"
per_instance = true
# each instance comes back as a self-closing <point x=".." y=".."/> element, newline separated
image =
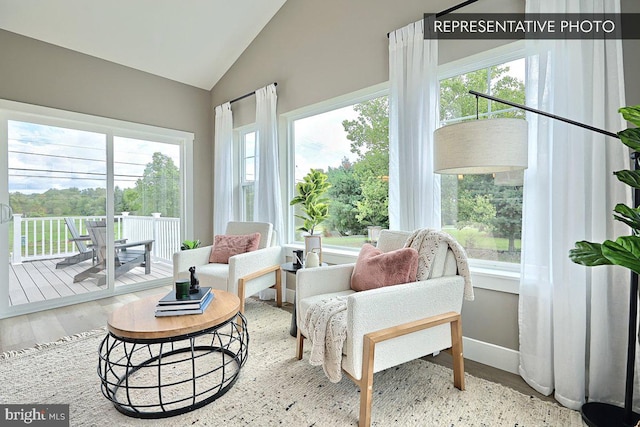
<point x="326" y="323"/>
<point x="426" y="241"/>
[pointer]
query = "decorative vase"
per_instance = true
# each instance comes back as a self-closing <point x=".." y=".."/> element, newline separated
<point x="313" y="243"/>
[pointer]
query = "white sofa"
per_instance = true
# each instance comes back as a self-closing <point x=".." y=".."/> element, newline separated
<point x="246" y="274"/>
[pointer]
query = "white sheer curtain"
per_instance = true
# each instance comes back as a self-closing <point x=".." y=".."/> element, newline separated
<point x="223" y="169"/>
<point x="267" y="200"/>
<point x="573" y="319"/>
<point x="414" y="190"/>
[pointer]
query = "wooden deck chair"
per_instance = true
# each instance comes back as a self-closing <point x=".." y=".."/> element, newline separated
<point x="124" y="259"/>
<point x="85" y="252"/>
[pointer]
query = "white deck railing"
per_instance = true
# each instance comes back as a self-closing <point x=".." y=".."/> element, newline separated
<point x="48" y="237"/>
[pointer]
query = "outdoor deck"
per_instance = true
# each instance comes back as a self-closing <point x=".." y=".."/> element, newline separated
<point x="39" y="280"/>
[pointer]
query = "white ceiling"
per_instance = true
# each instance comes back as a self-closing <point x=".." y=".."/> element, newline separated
<point x="190" y="41"/>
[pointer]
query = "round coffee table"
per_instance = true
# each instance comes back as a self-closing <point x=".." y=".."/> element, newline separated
<point x="157" y="367"/>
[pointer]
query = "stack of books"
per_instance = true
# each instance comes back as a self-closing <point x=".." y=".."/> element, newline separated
<point x="169" y="305"/>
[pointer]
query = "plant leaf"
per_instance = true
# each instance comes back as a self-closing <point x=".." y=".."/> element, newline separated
<point x="628" y="215"/>
<point x="625" y="251"/>
<point x="631" y="114"/>
<point x="631" y="178"/>
<point x="631" y="138"/>
<point x="589" y="254"/>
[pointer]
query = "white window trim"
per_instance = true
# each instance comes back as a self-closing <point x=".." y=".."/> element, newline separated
<point x="500" y="55"/>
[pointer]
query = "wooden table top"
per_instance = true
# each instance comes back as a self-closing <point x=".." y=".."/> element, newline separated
<point x="137" y="320"/>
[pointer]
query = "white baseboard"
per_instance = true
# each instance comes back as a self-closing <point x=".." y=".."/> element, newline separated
<point x="290" y="295"/>
<point x="491" y="354"/>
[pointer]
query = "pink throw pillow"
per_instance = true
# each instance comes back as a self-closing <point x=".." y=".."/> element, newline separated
<point x="226" y="246"/>
<point x="375" y="269"/>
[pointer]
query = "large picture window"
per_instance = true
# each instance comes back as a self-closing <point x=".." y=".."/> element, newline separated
<point x="484" y="212"/>
<point x="351" y="145"/>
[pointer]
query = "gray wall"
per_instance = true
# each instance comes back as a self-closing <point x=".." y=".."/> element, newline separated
<point x="39" y="73"/>
<point x="320" y="50"/>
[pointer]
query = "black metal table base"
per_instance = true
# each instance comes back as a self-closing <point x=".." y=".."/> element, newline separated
<point x="159" y="378"/>
<point x="597" y="414"/>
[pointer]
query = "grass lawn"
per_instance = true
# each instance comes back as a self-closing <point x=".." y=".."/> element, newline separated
<point x="474" y="238"/>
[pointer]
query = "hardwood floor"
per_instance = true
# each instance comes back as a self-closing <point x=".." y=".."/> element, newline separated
<point x="28" y="330"/>
<point x="45" y="326"/>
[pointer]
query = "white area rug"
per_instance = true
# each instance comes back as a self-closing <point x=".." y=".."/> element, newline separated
<point x="276" y="389"/>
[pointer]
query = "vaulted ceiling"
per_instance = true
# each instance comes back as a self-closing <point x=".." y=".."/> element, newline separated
<point x="190" y="41"/>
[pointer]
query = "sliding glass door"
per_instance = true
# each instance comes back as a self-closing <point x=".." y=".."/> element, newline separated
<point x="57" y="183"/>
<point x="96" y="209"/>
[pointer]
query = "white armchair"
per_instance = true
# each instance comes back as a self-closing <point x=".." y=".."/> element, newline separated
<point x="246" y="274"/>
<point x="395" y="323"/>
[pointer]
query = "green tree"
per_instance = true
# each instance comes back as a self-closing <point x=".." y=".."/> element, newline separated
<point x="345" y="193"/>
<point x="159" y="189"/>
<point x="369" y="136"/>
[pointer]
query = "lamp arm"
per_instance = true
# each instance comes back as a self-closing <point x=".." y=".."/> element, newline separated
<point x="543" y="113"/>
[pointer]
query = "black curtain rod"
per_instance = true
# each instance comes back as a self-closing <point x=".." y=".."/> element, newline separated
<point x="247" y="95"/>
<point x="451" y="9"/>
<point x="543" y="113"/>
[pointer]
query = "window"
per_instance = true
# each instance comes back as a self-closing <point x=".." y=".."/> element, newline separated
<point x="247" y="173"/>
<point x="351" y="145"/>
<point x="484" y="212"/>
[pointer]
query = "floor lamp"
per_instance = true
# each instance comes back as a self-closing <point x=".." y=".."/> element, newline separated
<point x="452" y="156"/>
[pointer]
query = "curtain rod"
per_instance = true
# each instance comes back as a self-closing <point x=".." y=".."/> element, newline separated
<point x="451" y="9"/>
<point x="247" y="95"/>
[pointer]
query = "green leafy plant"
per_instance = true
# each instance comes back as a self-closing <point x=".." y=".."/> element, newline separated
<point x="625" y="250"/>
<point x="314" y="206"/>
<point x="190" y="244"/>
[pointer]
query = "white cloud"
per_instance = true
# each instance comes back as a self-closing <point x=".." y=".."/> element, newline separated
<point x="321" y="141"/>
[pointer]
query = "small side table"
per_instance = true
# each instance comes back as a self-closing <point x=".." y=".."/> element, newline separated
<point x="291" y="268"/>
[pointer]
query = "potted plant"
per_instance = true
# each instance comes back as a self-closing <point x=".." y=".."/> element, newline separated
<point x="314" y="206"/>
<point x="190" y="244"/>
<point x="625" y="250"/>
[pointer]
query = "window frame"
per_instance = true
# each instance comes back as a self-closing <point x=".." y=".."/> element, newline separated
<point x="289" y="118"/>
<point x="500" y="55"/>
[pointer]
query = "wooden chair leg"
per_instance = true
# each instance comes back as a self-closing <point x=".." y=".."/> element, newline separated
<point x="366" y="382"/>
<point x="241" y="291"/>
<point x="299" y="345"/>
<point x="278" y="286"/>
<point x="456" y="352"/>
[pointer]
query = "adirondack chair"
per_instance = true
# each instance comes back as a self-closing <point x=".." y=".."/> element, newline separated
<point x="85" y="252"/>
<point x="124" y="258"/>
